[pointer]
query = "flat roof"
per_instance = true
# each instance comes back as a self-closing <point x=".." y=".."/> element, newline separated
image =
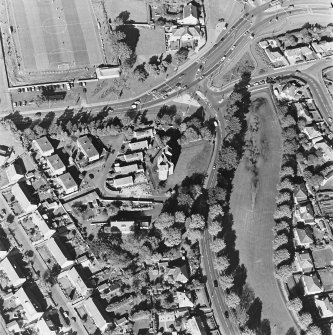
<point x="138" y="145"/>
<point x="21" y="196"/>
<point x="55" y="162"/>
<point x="67" y="180"/>
<point x="137" y="156"/>
<point x="25" y="302"/>
<point x="87" y="146"/>
<point x="7" y="267"/>
<point x="44" y="144"/>
<point x="94" y="312"/>
<point x="123" y="226"/>
<point x="124" y="181"/>
<point x="56" y="252"/>
<point x="107" y="72"/>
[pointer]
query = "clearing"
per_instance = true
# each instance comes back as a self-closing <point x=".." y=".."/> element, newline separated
<point x="194" y="158"/>
<point x="151" y="42"/>
<point x="253" y="226"/>
<point x="133" y="10"/>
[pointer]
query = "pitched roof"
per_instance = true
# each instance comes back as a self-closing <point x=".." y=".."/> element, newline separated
<point x="325" y="307"/>
<point x="322" y="257"/>
<point x="123" y="182"/>
<point x="312" y="283"/>
<point x="57" y="253"/>
<point x="305" y="261"/>
<point x="138" y="145"/>
<point x="190" y="10"/>
<point x="29" y="309"/>
<point x="305" y="235"/>
<point x="7" y="267"/>
<point x="301" y="193"/>
<point x="326" y="278"/>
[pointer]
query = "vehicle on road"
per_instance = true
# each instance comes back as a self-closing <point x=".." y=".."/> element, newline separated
<point x="233" y="47"/>
<point x="178" y="85"/>
<point x="164" y="96"/>
<point x="185" y="87"/>
<point x="262" y="82"/>
<point x="134" y="106"/>
<point x="137" y="102"/>
<point x="216" y="283"/>
<point x="214" y="167"/>
<point x="226" y="314"/>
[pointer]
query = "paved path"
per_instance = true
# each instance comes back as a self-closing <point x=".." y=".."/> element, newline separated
<point x="253" y="226"/>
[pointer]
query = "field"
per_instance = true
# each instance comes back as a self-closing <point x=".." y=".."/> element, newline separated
<point x="253" y="223"/>
<point x="194" y="158"/>
<point x="54" y="34"/>
<point x="151" y="42"/>
<point x="136" y="9"/>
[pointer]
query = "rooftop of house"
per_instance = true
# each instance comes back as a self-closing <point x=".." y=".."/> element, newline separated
<point x="312" y="283"/>
<point x="323" y="46"/>
<point x="13" y="276"/>
<point x="322" y="257"/>
<point x="55" y="162"/>
<point x="305" y="235"/>
<point x="76" y="280"/>
<point x="301" y="192"/>
<point x="311" y="132"/>
<point x="190" y="10"/>
<point x="136" y="156"/>
<point x="15" y="169"/>
<point x="298" y="51"/>
<point x="44" y="144"/>
<point x="30" y="310"/>
<point x="123" y="181"/>
<point x="274" y="54"/>
<point x="305" y="261"/>
<point x="126" y="169"/>
<point x="87" y="146"/>
<point x="183" y="300"/>
<point x="107" y="72"/>
<point x="57" y="253"/>
<point x="325" y="307"/>
<point x="67" y="180"/>
<point x="326" y="278"/>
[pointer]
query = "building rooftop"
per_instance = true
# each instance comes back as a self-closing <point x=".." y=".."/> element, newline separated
<point x="55" y="162"/>
<point x="14" y="278"/>
<point x="21" y="194"/>
<point x="44" y="144"/>
<point x="136" y="156"/>
<point x="322" y="257"/>
<point x="138" y="145"/>
<point x="57" y="253"/>
<point x="76" y="281"/>
<point x="67" y="180"/>
<point x="143" y="133"/>
<point x="126" y="169"/>
<point x="87" y="147"/>
<point x="123" y="182"/>
<point x="107" y="72"/>
<point x="126" y="227"/>
<point x="95" y="314"/>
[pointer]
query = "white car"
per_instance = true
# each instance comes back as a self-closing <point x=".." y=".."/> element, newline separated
<point x="134" y="106"/>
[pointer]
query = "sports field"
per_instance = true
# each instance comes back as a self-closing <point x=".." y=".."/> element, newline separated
<point x="55" y="34"/>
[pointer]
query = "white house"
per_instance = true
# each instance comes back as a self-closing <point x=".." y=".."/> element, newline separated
<point x="68" y="183"/>
<point x="56" y="165"/>
<point x="56" y="252"/>
<point x="23" y="198"/>
<point x="190" y="15"/>
<point x="15" y="280"/>
<point x="87" y="148"/>
<point x="44" y="146"/>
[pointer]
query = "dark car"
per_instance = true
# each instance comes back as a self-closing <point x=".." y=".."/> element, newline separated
<point x="216" y="283"/>
<point x="226" y="314"/>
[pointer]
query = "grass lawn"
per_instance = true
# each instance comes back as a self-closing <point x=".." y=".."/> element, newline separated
<point x="151" y="42"/>
<point x="253" y="224"/>
<point x="194" y="158"/>
<point x="135" y="8"/>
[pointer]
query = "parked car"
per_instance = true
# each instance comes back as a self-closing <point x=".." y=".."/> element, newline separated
<point x="216" y="283"/>
<point x="226" y="314"/>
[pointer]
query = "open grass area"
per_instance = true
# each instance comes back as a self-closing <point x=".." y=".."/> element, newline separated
<point x="136" y="9"/>
<point x="253" y="222"/>
<point x="194" y="158"/>
<point x="151" y="42"/>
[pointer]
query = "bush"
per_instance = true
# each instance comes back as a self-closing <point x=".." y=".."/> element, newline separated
<point x="280" y="256"/>
<point x="295" y="304"/>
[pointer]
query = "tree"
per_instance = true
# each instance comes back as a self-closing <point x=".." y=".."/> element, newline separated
<point x="221" y="263"/>
<point x="226" y="282"/>
<point x="283" y="197"/>
<point x="10" y="218"/>
<point x="283" y="272"/>
<point x="280" y="256"/>
<point x="194" y="235"/>
<point x="181" y="56"/>
<point x="217" y="245"/>
<point x="313" y="330"/>
<point x="283" y="211"/>
<point x="124" y="52"/>
<point x="196" y="221"/>
<point x="280" y="240"/>
<point x="140" y="73"/>
<point x="216" y="195"/>
<point x="214" y="228"/>
<point x="283" y="225"/>
<point x="172" y="237"/>
<point x="164" y="220"/>
<point x="295" y="304"/>
<point x="248" y="331"/>
<point x="285" y="185"/>
<point x="233" y="127"/>
<point x="50" y="276"/>
<point x="228" y="158"/>
<point x="214" y="211"/>
<point x="180" y="217"/>
<point x="232" y="300"/>
<point x="305" y="319"/>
